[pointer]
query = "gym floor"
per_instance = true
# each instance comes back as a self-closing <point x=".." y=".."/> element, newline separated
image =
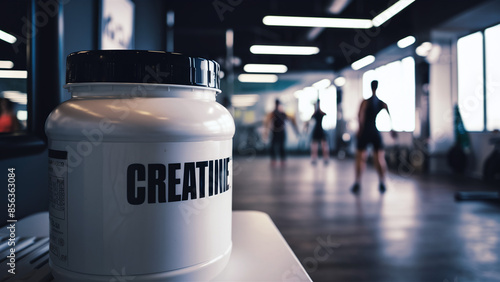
<point x="415" y="231"/>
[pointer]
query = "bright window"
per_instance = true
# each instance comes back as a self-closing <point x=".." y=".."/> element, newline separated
<point x="397" y="89"/>
<point x="492" y="46"/>
<point x="328" y="104"/>
<point x="470" y="81"/>
<point x="306" y="100"/>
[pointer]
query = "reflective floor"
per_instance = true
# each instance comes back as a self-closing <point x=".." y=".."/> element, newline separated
<point x="416" y="231"/>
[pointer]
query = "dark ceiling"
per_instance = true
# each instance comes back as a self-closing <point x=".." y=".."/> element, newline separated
<point x="200" y="28"/>
<point x="13" y="19"/>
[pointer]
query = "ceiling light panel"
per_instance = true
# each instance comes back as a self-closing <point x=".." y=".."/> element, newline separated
<point x="361" y="63"/>
<point x="284" y="50"/>
<point x="405" y="42"/>
<point x="339" y="81"/>
<point x="265" y="68"/>
<point x="7" y="37"/>
<point x="6" y="64"/>
<point x="397" y="7"/>
<point x="13" y="74"/>
<point x="258" y="78"/>
<point x="317" y="22"/>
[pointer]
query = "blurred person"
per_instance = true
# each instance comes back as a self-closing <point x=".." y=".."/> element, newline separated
<point x="318" y="135"/>
<point x="275" y="122"/>
<point x="8" y="119"/>
<point x="369" y="134"/>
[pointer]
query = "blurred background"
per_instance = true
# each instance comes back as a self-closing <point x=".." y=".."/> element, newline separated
<point x="437" y="63"/>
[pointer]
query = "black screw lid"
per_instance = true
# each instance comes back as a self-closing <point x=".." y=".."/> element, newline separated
<point x="137" y="66"/>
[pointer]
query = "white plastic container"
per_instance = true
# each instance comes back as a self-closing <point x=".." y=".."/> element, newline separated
<point x="140" y="169"/>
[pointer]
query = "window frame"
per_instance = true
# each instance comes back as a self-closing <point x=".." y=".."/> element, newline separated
<point x="43" y="51"/>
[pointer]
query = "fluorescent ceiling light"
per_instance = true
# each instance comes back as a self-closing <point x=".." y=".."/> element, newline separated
<point x="13" y="74"/>
<point x="405" y="42"/>
<point x="322" y="84"/>
<point x="241" y="101"/>
<point x="22" y="115"/>
<point x="381" y="18"/>
<point x="339" y="81"/>
<point x="258" y="78"/>
<point x="9" y="38"/>
<point x="361" y="63"/>
<point x="424" y="49"/>
<point x="338" y="22"/>
<point x="6" y="64"/>
<point x="16" y="97"/>
<point x="316" y="22"/>
<point x="265" y="68"/>
<point x="284" y="50"/>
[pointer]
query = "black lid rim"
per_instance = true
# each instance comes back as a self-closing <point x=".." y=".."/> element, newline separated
<point x="135" y="84"/>
<point x="141" y="66"/>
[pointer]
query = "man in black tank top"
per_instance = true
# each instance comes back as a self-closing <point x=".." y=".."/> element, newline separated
<point x="369" y="134"/>
<point x="275" y="122"/>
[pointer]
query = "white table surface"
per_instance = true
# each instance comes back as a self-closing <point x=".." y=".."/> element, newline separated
<point x="260" y="253"/>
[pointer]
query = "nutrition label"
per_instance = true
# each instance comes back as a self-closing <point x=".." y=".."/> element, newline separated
<point x="58" y="174"/>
